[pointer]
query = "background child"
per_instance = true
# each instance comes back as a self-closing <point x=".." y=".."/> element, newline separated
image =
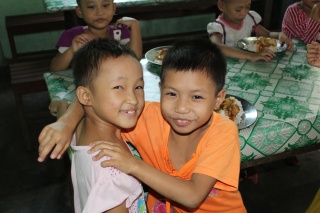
<point x="191" y="154"/>
<point x="301" y="20"/>
<point x="236" y="22"/>
<point x="313" y="54"/>
<point x="97" y="14"/>
<point x="109" y="82"/>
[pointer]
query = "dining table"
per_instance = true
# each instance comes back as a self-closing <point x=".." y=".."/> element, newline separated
<point x="285" y="93"/>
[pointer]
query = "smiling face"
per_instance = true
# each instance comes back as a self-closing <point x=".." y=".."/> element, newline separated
<point x="234" y="11"/>
<point x="116" y="94"/>
<point x="96" y="13"/>
<point x="188" y="99"/>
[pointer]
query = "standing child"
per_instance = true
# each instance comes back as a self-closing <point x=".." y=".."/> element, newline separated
<point x="97" y="14"/>
<point x="191" y="154"/>
<point x="301" y="20"/>
<point x="109" y="82"/>
<point x="236" y="22"/>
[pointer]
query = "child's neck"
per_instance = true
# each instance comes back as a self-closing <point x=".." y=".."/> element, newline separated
<point x="92" y="130"/>
<point x="305" y="9"/>
<point x="99" y="33"/>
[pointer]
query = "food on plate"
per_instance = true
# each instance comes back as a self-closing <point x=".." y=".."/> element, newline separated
<point x="160" y="54"/>
<point x="263" y="43"/>
<point x="231" y="108"/>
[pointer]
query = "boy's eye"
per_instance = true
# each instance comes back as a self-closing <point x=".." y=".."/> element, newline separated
<point x="170" y="94"/>
<point x="139" y="87"/>
<point x="117" y="87"/>
<point x="106" y="5"/>
<point x="90" y="6"/>
<point x="197" y="97"/>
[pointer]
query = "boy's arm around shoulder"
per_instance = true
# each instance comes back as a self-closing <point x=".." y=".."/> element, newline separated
<point x="57" y="136"/>
<point x="189" y="193"/>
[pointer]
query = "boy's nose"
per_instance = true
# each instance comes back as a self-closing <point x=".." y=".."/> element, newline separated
<point x="132" y="98"/>
<point x="182" y="107"/>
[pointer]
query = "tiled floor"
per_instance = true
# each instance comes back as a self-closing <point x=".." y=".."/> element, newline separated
<point x="28" y="186"/>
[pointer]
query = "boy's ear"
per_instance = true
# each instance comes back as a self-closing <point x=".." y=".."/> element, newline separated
<point x="220" y="98"/>
<point x="220" y="5"/>
<point x="78" y="11"/>
<point x="83" y="95"/>
<point x="114" y="8"/>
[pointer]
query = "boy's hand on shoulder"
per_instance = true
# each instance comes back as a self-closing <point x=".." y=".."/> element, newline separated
<point x="283" y="39"/>
<point x="128" y="21"/>
<point x="120" y="158"/>
<point x="80" y="40"/>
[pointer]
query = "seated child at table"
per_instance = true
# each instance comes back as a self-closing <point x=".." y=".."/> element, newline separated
<point x="236" y="22"/>
<point x="109" y="81"/>
<point x="97" y="14"/>
<point x="191" y="154"/>
<point x="313" y="54"/>
<point x="301" y="20"/>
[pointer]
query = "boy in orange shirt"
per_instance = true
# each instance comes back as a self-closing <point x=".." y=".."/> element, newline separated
<point x="191" y="154"/>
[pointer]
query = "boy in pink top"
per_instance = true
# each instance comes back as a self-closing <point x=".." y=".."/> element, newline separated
<point x="301" y="20"/>
<point x="109" y="82"/>
<point x="191" y="155"/>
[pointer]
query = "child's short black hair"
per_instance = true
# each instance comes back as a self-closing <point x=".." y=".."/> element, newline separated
<point x="88" y="59"/>
<point x="196" y="55"/>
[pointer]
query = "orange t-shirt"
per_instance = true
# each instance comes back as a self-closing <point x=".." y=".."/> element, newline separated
<point x="217" y="155"/>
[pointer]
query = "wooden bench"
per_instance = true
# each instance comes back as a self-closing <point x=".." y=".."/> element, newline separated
<point x="32" y="23"/>
<point x="27" y="69"/>
<point x="27" y="78"/>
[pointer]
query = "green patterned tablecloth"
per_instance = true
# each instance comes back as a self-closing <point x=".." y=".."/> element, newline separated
<point x="285" y="92"/>
<point x="62" y="5"/>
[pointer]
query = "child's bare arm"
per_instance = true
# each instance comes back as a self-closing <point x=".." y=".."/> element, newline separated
<point x="63" y="60"/>
<point x="236" y="53"/>
<point x="57" y="136"/>
<point x="119" y="209"/>
<point x="189" y="193"/>
<point x="135" y="36"/>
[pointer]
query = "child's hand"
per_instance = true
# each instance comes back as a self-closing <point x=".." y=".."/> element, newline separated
<point x="53" y="136"/>
<point x="128" y="21"/>
<point x="80" y="40"/>
<point x="265" y="55"/>
<point x="283" y="39"/>
<point x="313" y="54"/>
<point x="120" y="158"/>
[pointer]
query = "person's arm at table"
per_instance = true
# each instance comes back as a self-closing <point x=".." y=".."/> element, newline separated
<point x="313" y="54"/>
<point x="57" y="136"/>
<point x="232" y="52"/>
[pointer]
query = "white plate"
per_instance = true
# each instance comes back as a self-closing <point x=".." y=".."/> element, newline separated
<point x="247" y="44"/>
<point x="250" y="114"/>
<point x="152" y="54"/>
